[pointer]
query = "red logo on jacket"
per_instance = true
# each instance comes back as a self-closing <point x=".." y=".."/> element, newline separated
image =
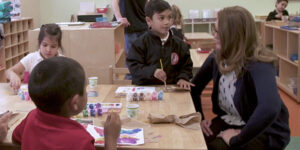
<point x="174" y="58"/>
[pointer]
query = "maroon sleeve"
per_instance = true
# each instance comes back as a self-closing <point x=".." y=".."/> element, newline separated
<point x="18" y="132"/>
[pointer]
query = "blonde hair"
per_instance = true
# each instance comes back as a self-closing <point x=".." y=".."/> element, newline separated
<point x="239" y="41"/>
<point x="177" y="16"/>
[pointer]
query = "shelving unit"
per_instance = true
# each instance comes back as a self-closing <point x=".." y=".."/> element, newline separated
<point x="205" y="25"/>
<point x="15" y="44"/>
<point x="285" y="43"/>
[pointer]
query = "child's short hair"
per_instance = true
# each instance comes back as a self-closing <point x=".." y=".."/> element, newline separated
<point x="52" y="30"/>
<point x="156" y="6"/>
<point x="278" y="1"/>
<point x="55" y="80"/>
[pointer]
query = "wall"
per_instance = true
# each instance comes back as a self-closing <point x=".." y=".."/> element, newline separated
<point x="31" y="8"/>
<point x="61" y="10"/>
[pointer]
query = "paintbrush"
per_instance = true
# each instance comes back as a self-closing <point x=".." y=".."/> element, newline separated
<point x="162" y="67"/>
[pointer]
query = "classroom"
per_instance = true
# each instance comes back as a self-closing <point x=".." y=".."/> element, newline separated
<point x="149" y="74"/>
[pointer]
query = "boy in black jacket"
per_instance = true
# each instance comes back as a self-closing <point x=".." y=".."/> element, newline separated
<point x="158" y="56"/>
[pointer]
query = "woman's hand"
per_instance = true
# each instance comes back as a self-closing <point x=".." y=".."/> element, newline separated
<point x="226" y="135"/>
<point x="185" y="84"/>
<point x="205" y="125"/>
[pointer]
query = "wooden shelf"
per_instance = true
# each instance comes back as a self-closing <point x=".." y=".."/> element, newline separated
<point x="287" y="60"/>
<point x="16" y="55"/>
<point x="287" y="90"/>
<point x="285" y="44"/>
<point x="15" y="45"/>
<point x="9" y="46"/>
<point x="119" y="54"/>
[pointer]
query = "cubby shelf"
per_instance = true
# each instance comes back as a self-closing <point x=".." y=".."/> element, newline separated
<point x="15" y="44"/>
<point x="285" y="43"/>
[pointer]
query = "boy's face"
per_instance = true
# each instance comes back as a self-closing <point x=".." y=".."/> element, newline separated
<point x="281" y="6"/>
<point x="160" y="22"/>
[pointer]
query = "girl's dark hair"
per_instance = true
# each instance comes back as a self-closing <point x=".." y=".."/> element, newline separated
<point x="278" y="1"/>
<point x="156" y="6"/>
<point x="52" y="30"/>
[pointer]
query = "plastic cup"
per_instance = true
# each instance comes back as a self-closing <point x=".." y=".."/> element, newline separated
<point x="93" y="81"/>
<point x="285" y="18"/>
<point x="132" y="110"/>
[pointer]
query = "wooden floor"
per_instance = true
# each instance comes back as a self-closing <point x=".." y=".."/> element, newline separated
<point x="292" y="105"/>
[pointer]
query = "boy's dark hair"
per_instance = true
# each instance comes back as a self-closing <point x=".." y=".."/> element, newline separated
<point x="156" y="6"/>
<point x="54" y="81"/>
<point x="278" y="1"/>
<point x="52" y="30"/>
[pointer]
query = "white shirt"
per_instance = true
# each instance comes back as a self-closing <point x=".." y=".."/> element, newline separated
<point x="31" y="60"/>
<point x="226" y="94"/>
<point x="164" y="40"/>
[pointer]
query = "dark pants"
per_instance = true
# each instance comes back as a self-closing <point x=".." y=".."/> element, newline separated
<point x="130" y="38"/>
<point x="216" y="143"/>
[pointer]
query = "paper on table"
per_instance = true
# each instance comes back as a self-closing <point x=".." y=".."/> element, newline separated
<point x="127" y="136"/>
<point x="149" y="135"/>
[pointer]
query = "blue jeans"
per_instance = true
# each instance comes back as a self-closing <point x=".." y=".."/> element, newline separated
<point x="129" y="39"/>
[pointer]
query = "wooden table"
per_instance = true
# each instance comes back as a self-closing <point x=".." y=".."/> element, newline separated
<point x="198" y="58"/>
<point x="172" y="136"/>
<point x="200" y="39"/>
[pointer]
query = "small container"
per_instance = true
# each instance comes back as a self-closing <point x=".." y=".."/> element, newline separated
<point x="132" y="110"/>
<point x="93" y="81"/>
<point x="102" y="10"/>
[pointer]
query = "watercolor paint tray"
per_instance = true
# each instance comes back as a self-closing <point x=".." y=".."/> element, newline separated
<point x="123" y="90"/>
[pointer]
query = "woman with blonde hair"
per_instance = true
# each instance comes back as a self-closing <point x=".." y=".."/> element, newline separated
<point x="250" y="112"/>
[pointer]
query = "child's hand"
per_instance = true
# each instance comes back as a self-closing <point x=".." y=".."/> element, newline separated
<point x="160" y="74"/>
<point x="112" y="128"/>
<point x="185" y="84"/>
<point x="15" y="81"/>
<point x="124" y="21"/>
<point x="226" y="135"/>
<point x="4" y="125"/>
<point x="205" y="126"/>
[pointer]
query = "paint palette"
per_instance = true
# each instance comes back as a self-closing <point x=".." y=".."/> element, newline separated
<point x="127" y="136"/>
<point x="124" y="90"/>
<point x="98" y="109"/>
<point x="145" y="96"/>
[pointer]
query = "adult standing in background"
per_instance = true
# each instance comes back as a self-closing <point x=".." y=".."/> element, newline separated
<point x="131" y="14"/>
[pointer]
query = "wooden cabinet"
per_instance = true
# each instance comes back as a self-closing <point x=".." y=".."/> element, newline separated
<point x="15" y="44"/>
<point x="286" y="44"/>
<point x="94" y="48"/>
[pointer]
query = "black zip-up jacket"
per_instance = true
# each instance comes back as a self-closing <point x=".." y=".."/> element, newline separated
<point x="256" y="99"/>
<point x="145" y="54"/>
<point x="272" y="15"/>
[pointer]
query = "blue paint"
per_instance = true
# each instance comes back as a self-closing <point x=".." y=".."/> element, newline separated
<point x="133" y="131"/>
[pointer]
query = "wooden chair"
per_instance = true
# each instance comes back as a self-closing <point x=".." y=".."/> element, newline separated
<point x="117" y="75"/>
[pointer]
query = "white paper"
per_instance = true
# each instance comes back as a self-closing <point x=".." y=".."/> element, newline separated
<point x="87" y="7"/>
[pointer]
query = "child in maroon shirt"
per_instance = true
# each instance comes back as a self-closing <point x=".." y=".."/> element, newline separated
<point x="57" y="87"/>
